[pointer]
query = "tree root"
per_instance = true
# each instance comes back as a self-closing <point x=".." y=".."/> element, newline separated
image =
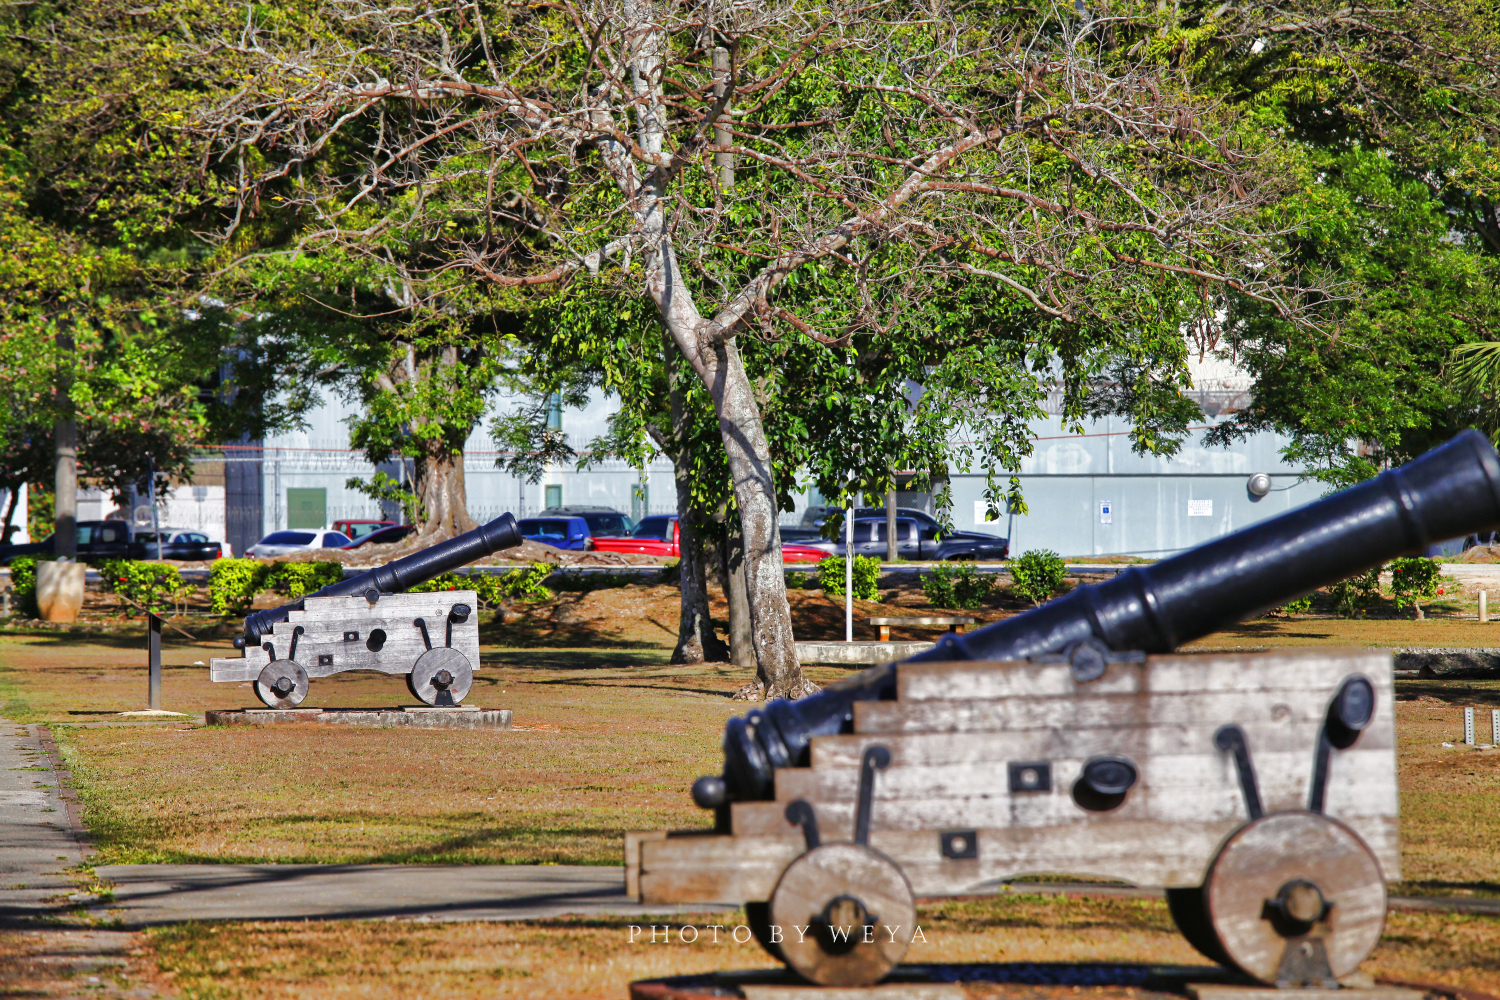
<point x="756" y="691"/>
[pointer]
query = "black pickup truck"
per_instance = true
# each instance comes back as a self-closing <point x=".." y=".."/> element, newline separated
<point x="101" y="540"/>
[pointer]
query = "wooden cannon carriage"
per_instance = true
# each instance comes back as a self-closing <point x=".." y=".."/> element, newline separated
<point x="1259" y="789"/>
<point x="431" y="638"/>
<point x="1242" y="782"/>
<point x="368" y="622"/>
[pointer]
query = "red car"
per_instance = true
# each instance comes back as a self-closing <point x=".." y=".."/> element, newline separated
<point x="358" y="529"/>
<point x="660" y="535"/>
<point x="654" y="536"/>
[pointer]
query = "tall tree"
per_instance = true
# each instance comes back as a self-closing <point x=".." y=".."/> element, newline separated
<point x="1390" y="116"/>
<point x="99" y="199"/>
<point x="883" y="150"/>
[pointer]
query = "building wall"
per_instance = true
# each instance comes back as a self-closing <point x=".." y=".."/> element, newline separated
<point x="1156" y="506"/>
<point x="20" y="537"/>
<point x="1090" y="494"/>
<point x="320" y="458"/>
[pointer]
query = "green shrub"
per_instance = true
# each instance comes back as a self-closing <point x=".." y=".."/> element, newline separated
<point x="525" y="584"/>
<point x="1300" y="606"/>
<point x="23" y="586"/>
<point x="1038" y="575"/>
<point x="1412" y="579"/>
<point x="233" y="584"/>
<point x="961" y="586"/>
<point x="298" y="579"/>
<point x="866" y="577"/>
<point x="487" y="589"/>
<point x="1353" y="597"/>
<point x="149" y="586"/>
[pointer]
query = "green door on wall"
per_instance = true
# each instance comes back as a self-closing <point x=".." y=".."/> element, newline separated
<point x="306" y="508"/>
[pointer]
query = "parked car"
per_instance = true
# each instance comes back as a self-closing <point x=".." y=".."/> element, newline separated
<point x="657" y="535"/>
<point x="915" y="540"/>
<point x="558" y="532"/>
<point x="792" y="552"/>
<point x="97" y="541"/>
<point x="661" y="535"/>
<point x="603" y="522"/>
<point x="976" y="544"/>
<point x="279" y="543"/>
<point x="177" y="543"/>
<point x="359" y="529"/>
<point x="383" y="536"/>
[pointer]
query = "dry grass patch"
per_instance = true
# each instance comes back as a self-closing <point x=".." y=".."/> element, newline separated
<point x="587" y="958"/>
<point x="1450" y="796"/>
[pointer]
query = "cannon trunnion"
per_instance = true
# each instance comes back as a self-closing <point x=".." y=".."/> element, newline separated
<point x="1213" y="775"/>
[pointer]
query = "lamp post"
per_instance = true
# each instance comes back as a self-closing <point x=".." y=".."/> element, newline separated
<point x="849" y="572"/>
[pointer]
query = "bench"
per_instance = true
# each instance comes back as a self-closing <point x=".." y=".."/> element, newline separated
<point x="955" y="623"/>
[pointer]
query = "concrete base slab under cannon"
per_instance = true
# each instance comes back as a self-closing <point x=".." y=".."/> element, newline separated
<point x="1002" y="981"/>
<point x="459" y="717"/>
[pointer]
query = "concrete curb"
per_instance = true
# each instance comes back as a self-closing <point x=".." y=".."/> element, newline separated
<point x="381" y="718"/>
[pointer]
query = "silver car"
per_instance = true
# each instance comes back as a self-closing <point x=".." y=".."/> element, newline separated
<point x="279" y="543"/>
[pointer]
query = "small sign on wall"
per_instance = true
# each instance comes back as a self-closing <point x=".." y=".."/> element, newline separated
<point x="981" y="514"/>
<point x="1106" y="512"/>
<point x="1200" y="508"/>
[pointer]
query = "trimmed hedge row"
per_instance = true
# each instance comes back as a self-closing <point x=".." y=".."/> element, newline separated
<point x="233" y="584"/>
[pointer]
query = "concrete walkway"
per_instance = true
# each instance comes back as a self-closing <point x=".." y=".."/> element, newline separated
<point x="145" y="895"/>
<point x="37" y="843"/>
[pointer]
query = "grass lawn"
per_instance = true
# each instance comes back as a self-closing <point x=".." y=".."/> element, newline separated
<point x="587" y="958"/>
<point x="607" y="738"/>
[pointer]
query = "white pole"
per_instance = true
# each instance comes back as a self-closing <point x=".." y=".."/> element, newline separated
<point x="1495" y="727"/>
<point x="1469" y="726"/>
<point x="1484" y="606"/>
<point x="849" y="573"/>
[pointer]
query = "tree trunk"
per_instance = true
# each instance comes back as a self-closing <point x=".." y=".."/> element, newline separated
<point x="12" y="500"/>
<point x="65" y="444"/>
<point x="696" y="640"/>
<point x="741" y="647"/>
<point x="440" y="489"/>
<point x="778" y="674"/>
<point x="715" y="359"/>
<point x="892" y="547"/>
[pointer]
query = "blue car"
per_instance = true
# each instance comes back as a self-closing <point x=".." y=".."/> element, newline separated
<point x="558" y="532"/>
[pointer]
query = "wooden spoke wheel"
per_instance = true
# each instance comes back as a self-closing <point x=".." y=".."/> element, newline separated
<point x="845" y="914"/>
<point x="441" y="676"/>
<point x="281" y="684"/>
<point x="1289" y="888"/>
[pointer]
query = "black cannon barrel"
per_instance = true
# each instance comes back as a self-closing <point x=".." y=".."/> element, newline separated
<point x="1451" y="491"/>
<point x="400" y="574"/>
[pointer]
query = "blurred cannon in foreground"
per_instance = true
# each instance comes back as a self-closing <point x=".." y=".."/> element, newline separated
<point x="367" y="623"/>
<point x="1260" y="789"/>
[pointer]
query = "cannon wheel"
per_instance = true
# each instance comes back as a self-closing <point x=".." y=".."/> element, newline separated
<point x="1290" y="888"/>
<point x="281" y="684"/>
<point x="853" y="888"/>
<point x="439" y="672"/>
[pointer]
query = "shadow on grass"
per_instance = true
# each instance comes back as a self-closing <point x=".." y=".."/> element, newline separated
<point x="1440" y="888"/>
<point x="132" y="637"/>
<point x="484" y="845"/>
<point x="1164" y="978"/>
<point x="613" y="657"/>
<point x="1471" y="689"/>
